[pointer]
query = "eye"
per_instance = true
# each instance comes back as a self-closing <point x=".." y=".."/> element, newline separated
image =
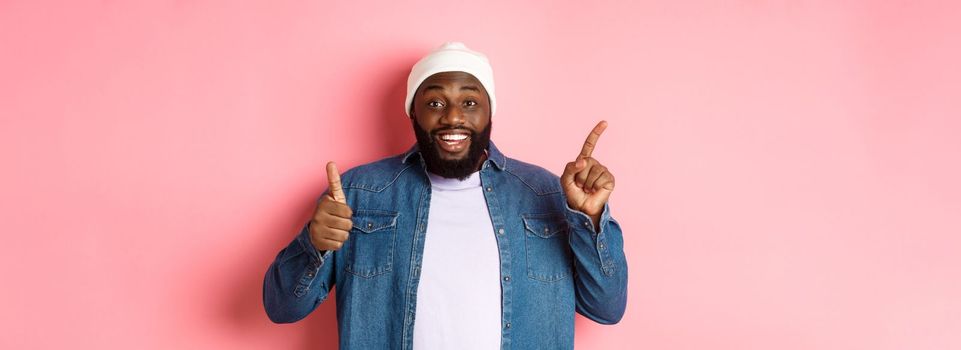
<point x="435" y="104"/>
<point x="470" y="103"/>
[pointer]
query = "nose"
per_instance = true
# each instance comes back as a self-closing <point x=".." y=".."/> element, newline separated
<point x="453" y="116"/>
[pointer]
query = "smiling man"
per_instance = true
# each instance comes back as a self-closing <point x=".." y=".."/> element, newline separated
<point x="453" y="144"/>
<point x="453" y="245"/>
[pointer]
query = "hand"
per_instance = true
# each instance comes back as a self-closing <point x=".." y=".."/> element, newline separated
<point x="331" y="224"/>
<point x="586" y="183"/>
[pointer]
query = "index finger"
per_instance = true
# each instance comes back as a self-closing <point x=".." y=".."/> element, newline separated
<point x="592" y="139"/>
<point x="333" y="177"/>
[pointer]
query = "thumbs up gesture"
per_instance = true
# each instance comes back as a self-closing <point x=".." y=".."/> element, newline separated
<point x="587" y="184"/>
<point x="331" y="223"/>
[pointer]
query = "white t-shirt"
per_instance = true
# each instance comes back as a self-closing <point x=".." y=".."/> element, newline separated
<point x="459" y="295"/>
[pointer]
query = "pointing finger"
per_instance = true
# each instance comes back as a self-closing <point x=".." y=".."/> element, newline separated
<point x="592" y="139"/>
<point x="333" y="176"/>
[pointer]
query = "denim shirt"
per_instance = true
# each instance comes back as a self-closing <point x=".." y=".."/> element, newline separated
<point x="552" y="261"/>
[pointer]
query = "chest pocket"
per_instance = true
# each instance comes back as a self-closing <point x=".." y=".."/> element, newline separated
<point x="370" y="248"/>
<point x="549" y="256"/>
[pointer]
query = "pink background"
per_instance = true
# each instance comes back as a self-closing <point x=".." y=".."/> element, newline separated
<point x="787" y="173"/>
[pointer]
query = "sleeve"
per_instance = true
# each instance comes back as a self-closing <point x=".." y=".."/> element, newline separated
<point x="299" y="279"/>
<point x="600" y="267"/>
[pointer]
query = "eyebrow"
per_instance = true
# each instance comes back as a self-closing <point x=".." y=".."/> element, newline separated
<point x="438" y="87"/>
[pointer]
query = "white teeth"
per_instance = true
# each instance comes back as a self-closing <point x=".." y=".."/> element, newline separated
<point x="453" y="137"/>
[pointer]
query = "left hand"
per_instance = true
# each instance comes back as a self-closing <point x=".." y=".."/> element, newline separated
<point x="586" y="183"/>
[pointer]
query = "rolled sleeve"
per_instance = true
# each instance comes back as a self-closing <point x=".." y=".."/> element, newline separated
<point x="601" y="266"/>
<point x="298" y="280"/>
<point x="583" y="227"/>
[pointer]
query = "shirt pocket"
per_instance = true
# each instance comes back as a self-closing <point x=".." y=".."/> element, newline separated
<point x="549" y="256"/>
<point x="371" y="243"/>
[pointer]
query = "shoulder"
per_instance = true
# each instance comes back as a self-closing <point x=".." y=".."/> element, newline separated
<point x="535" y="177"/>
<point x="377" y="175"/>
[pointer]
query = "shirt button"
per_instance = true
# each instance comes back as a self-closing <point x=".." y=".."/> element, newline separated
<point x="587" y="223"/>
<point x="489" y="189"/>
<point x="507" y="278"/>
<point x="546" y="230"/>
<point x="500" y="231"/>
<point x="369" y="225"/>
<point x="508" y="325"/>
<point x="601" y="245"/>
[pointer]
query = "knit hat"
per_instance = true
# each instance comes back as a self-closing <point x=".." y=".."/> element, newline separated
<point x="451" y="57"/>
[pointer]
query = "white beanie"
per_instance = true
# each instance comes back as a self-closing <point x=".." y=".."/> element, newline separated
<point x="451" y="57"/>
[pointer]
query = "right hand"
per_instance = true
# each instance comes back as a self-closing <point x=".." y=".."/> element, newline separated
<point x="331" y="224"/>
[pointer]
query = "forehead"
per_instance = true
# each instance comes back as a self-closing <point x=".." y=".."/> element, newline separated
<point x="452" y="80"/>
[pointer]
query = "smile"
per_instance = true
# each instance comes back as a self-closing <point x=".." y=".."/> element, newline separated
<point x="453" y="141"/>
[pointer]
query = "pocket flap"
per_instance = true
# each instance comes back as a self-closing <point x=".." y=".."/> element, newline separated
<point x="544" y="225"/>
<point x="370" y="221"/>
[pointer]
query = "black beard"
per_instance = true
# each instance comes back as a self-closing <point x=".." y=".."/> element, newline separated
<point x="452" y="169"/>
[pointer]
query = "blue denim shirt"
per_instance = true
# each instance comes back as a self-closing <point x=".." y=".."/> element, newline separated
<point x="552" y="261"/>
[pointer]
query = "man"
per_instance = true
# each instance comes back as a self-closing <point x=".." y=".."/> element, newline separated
<point x="452" y="245"/>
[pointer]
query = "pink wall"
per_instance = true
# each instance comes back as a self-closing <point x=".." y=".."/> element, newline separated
<point x="787" y="173"/>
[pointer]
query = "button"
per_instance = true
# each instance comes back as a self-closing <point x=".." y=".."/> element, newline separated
<point x="370" y="225"/>
<point x="507" y="278"/>
<point x="489" y="189"/>
<point x="500" y="231"/>
<point x="601" y="245"/>
<point x="587" y="224"/>
<point x="546" y="230"/>
<point x="310" y="274"/>
<point x="508" y="325"/>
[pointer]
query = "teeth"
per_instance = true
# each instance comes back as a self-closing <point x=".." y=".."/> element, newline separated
<point x="453" y="137"/>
